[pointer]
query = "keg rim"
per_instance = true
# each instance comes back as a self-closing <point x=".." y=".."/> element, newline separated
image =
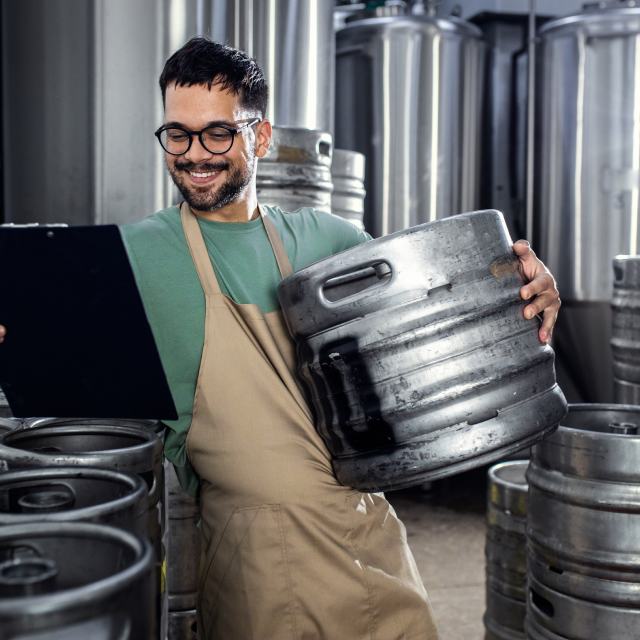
<point x="77" y="597"/>
<point x="509" y="463"/>
<point x="599" y="407"/>
<point x="138" y="493"/>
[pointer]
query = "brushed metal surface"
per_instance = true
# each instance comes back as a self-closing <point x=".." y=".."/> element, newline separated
<point x="184" y="548"/>
<point x="625" y="306"/>
<point x="583" y="518"/>
<point x="626" y="392"/>
<point x="102" y="589"/>
<point x="347" y="173"/>
<point x="294" y="44"/>
<point x="433" y="369"/>
<point x="183" y="625"/>
<point x="505" y="550"/>
<point x="408" y="96"/>
<point x="589" y="146"/>
<point x="296" y="171"/>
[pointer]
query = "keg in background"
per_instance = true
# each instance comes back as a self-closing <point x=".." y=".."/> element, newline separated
<point x="123" y="445"/>
<point x="66" y="494"/>
<point x="183" y="625"/>
<point x="418" y="356"/>
<point x="505" y="551"/>
<point x="73" y="581"/>
<point x="5" y="409"/>
<point x="625" y="335"/>
<point x="583" y="548"/>
<point x="347" y="199"/>
<point x="296" y="171"/>
<point x="183" y="552"/>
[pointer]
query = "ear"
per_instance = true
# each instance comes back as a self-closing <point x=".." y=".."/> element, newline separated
<point x="263" y="138"/>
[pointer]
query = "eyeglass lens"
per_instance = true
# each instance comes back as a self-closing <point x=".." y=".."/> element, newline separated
<point x="215" y="139"/>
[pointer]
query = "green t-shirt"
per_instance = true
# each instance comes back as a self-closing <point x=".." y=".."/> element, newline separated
<point x="247" y="272"/>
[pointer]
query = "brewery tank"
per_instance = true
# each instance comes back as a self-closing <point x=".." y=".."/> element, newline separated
<point x="588" y="175"/>
<point x="294" y="43"/>
<point x="408" y="96"/>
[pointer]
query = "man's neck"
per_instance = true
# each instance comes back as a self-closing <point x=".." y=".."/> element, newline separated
<point x="241" y="210"/>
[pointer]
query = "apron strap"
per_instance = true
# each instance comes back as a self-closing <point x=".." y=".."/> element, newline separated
<point x="276" y="244"/>
<point x="201" y="257"/>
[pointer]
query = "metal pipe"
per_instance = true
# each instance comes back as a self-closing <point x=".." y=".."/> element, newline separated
<point x="531" y="88"/>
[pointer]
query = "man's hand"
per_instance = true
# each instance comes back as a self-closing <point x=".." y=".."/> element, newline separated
<point x="541" y="287"/>
<point x="3" y="332"/>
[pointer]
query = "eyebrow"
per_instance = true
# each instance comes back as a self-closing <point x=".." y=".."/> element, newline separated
<point x="211" y="123"/>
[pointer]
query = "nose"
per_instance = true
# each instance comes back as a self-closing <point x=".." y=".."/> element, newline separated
<point x="197" y="153"/>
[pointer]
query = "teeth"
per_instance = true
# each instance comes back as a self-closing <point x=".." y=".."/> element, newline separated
<point x="202" y="175"/>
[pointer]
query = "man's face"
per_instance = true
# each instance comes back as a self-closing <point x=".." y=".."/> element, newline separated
<point x="209" y="181"/>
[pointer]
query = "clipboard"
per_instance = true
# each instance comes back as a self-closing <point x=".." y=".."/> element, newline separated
<point x="78" y="343"/>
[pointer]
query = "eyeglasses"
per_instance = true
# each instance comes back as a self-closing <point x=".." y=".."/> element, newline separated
<point x="218" y="139"/>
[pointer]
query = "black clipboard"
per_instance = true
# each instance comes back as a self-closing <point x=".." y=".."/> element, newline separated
<point x="78" y="342"/>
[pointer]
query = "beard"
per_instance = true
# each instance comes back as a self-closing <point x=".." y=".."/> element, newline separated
<point x="203" y="198"/>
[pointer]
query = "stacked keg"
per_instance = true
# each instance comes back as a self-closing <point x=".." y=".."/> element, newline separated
<point x="417" y="353"/>
<point x="625" y="337"/>
<point x="104" y="472"/>
<point x="583" y="524"/>
<point x="506" y="551"/>
<point x="185" y="547"/>
<point x="296" y="171"/>
<point x="347" y="172"/>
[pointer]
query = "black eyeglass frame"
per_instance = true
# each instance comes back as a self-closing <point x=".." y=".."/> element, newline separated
<point x="231" y="130"/>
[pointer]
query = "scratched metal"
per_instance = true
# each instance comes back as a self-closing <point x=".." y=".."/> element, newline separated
<point x="74" y="581"/>
<point x="505" y="551"/>
<point x="296" y="172"/>
<point x="625" y="334"/>
<point x="433" y="369"/>
<point x="183" y="625"/>
<point x="583" y="522"/>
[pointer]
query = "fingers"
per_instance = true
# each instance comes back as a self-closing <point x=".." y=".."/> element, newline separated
<point x="522" y="248"/>
<point x="3" y="333"/>
<point x="548" y="321"/>
<point x="539" y="284"/>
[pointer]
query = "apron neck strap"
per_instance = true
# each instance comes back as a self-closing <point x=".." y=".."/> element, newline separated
<point x="201" y="257"/>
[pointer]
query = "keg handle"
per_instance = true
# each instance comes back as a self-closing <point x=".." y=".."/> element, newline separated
<point x="327" y="304"/>
<point x="623" y="428"/>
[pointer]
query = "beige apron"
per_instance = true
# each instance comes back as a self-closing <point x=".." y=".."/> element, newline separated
<point x="288" y="552"/>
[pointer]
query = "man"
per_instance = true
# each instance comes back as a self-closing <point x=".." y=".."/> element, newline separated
<point x="288" y="552"/>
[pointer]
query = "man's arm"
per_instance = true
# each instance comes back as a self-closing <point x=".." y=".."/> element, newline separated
<point x="541" y="286"/>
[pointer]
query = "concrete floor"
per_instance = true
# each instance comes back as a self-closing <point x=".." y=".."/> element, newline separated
<point x="446" y="532"/>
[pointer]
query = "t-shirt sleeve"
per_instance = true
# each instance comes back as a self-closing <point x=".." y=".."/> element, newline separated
<point x="341" y="233"/>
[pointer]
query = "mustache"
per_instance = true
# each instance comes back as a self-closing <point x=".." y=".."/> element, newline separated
<point x="207" y="167"/>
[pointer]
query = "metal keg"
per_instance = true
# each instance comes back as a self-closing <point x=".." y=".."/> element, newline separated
<point x="184" y="548"/>
<point x="625" y="334"/>
<point x="417" y="353"/>
<point x="347" y="199"/>
<point x="74" y="581"/>
<point x="583" y="548"/>
<point x="183" y="625"/>
<point x="5" y="409"/>
<point x="296" y="171"/>
<point x="66" y="494"/>
<point x="505" y="551"/>
<point x="122" y="445"/>
<point x="9" y="424"/>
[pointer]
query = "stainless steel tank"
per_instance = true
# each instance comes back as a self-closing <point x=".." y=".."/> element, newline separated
<point x="183" y="625"/>
<point x="347" y="173"/>
<point x="294" y="43"/>
<point x="583" y="520"/>
<point x="589" y="175"/>
<point x="408" y="96"/>
<point x="625" y="337"/>
<point x="296" y="171"/>
<point x="185" y="546"/>
<point x="417" y="353"/>
<point x="74" y="581"/>
<point x="68" y="494"/>
<point x="123" y="445"/>
<point x="505" y="551"/>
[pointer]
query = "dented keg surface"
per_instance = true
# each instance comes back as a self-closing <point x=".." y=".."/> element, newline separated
<point x="185" y="546"/>
<point x="583" y="522"/>
<point x="506" y="551"/>
<point x="296" y="171"/>
<point x="73" y="581"/>
<point x="66" y="494"/>
<point x="183" y="625"/>
<point x="123" y="445"/>
<point x="347" y="199"/>
<point x="418" y="356"/>
<point x="625" y="305"/>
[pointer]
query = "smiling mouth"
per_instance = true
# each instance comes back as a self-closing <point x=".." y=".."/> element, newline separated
<point x="204" y="175"/>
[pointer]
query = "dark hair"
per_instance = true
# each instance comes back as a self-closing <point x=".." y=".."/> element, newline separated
<point x="202" y="61"/>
